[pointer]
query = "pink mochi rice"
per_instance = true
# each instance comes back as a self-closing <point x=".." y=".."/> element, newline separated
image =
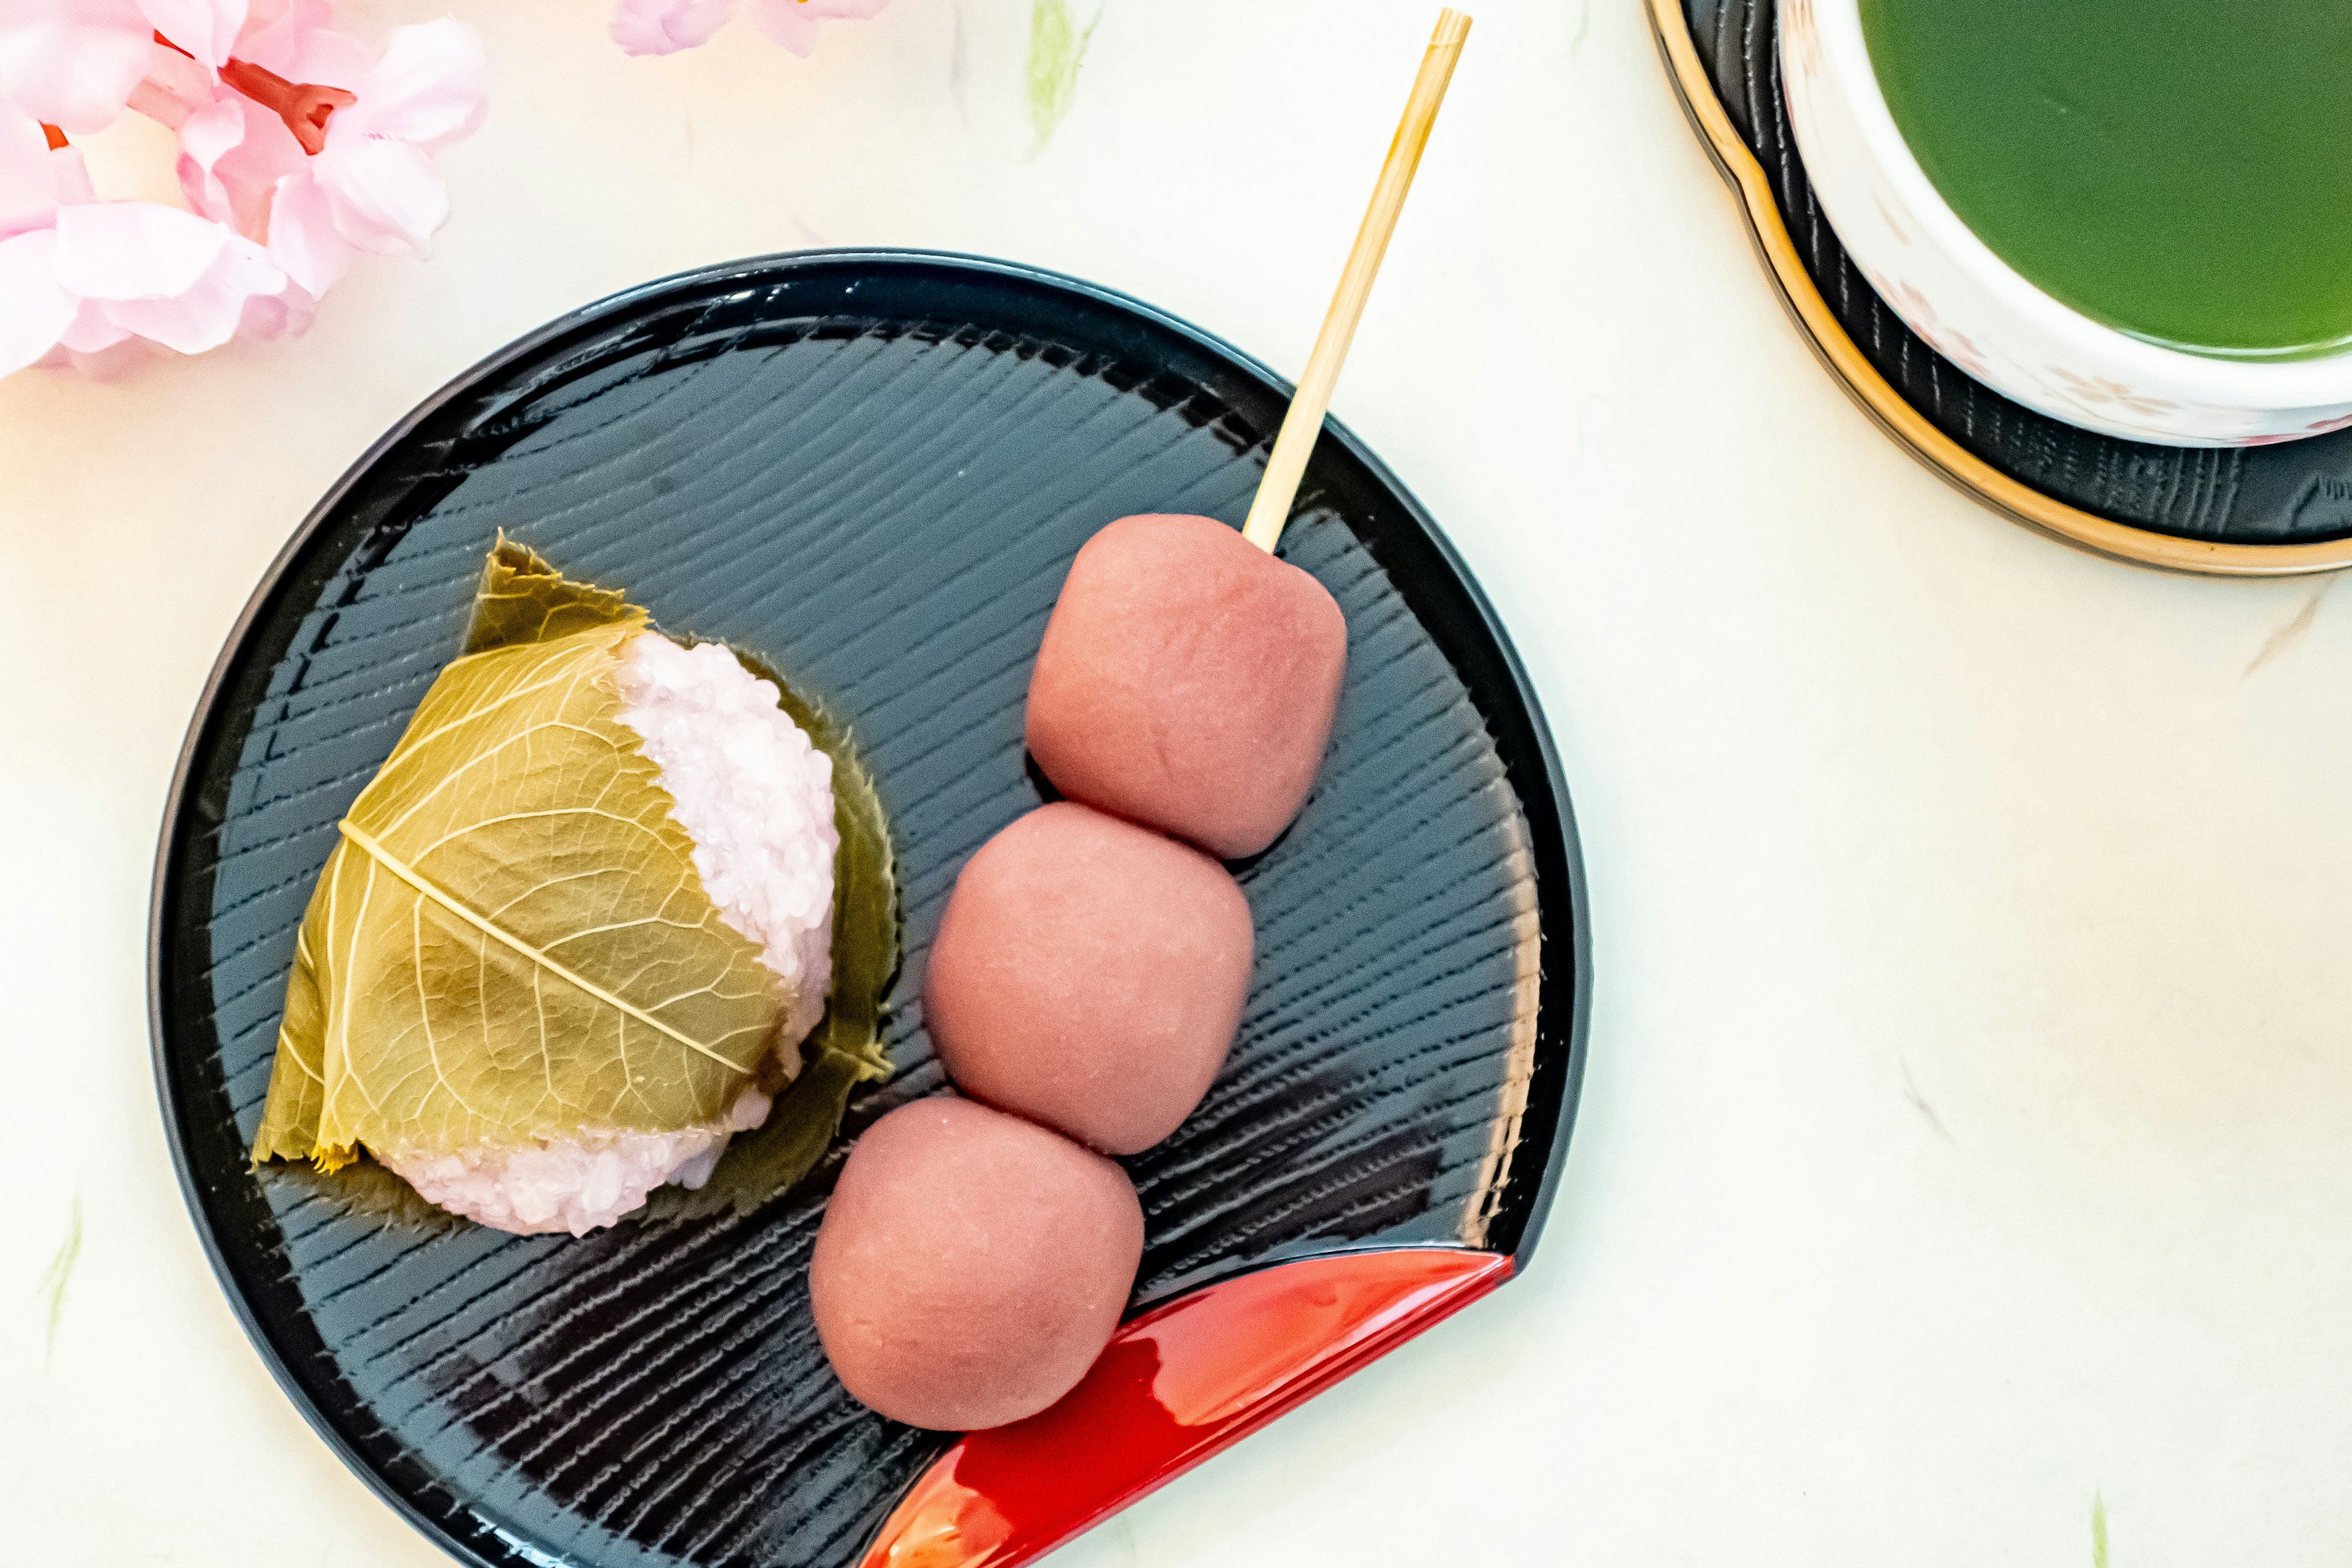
<point x="755" y="794"/>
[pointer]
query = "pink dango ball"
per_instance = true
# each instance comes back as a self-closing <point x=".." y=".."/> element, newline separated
<point x="1188" y="681"/>
<point x="970" y="1267"/>
<point x="1089" y="974"/>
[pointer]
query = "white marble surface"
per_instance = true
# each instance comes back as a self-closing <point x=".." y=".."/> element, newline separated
<point x="1968" y="1130"/>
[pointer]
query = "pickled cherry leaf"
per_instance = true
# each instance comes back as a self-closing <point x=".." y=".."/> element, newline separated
<point x="509" y="941"/>
<point x="523" y="599"/>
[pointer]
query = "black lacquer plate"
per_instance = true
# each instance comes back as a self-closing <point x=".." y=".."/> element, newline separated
<point x="2298" y="493"/>
<point x="872" y="469"/>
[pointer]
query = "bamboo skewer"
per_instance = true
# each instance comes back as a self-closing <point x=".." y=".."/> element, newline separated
<point x="1296" y="441"/>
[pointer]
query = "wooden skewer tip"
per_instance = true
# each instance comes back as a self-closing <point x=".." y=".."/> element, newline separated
<point x="1294" y="442"/>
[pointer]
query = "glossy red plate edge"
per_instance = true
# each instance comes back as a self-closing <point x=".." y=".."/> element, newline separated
<point x="1176" y="1384"/>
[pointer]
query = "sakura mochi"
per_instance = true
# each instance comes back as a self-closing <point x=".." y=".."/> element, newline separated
<point x="1089" y="974"/>
<point x="1188" y="681"/>
<point x="573" y="933"/>
<point x="971" y="1266"/>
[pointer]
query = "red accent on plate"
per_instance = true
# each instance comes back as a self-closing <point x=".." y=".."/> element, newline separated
<point x="1174" y="1386"/>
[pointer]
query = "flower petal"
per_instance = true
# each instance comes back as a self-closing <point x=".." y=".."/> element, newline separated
<point x="72" y="176"/>
<point x="793" y="22"/>
<point x="303" y="242"/>
<point x="204" y="28"/>
<point x="297" y="39"/>
<point x="174" y="88"/>
<point x="788" y="22"/>
<point x="233" y="152"/>
<point x="120" y="353"/>
<point x="206" y="136"/>
<point x="286" y="314"/>
<point x="206" y="314"/>
<point x="386" y="196"/>
<point x="90" y="333"/>
<point x="72" y="63"/>
<point x="666" y="26"/>
<point x="426" y="90"/>
<point x="29" y="184"/>
<point x="134" y="250"/>
<point x="34" y="310"/>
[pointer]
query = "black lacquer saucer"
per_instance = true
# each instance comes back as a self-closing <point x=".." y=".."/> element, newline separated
<point x="2245" y="511"/>
<point x="871" y="469"/>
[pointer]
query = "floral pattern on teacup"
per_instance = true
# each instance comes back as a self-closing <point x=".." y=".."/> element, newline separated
<point x="1887" y="215"/>
<point x="1906" y="301"/>
<point x="2316" y="427"/>
<point x="2088" y="392"/>
<point x="1796" y="19"/>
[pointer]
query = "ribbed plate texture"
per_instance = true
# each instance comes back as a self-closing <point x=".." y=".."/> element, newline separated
<point x="872" y="471"/>
<point x="2297" y="493"/>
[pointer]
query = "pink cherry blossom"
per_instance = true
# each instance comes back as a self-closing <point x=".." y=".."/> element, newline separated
<point x="80" y="277"/>
<point x="205" y="29"/>
<point x="371" y="185"/>
<point x="77" y="63"/>
<point x="793" y="22"/>
<point x="34" y="180"/>
<point x="664" y="27"/>
<point x="299" y="149"/>
<point x="176" y="84"/>
<point x="143" y="270"/>
<point x="72" y="63"/>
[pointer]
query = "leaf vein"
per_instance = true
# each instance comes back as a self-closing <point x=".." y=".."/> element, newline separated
<point x="423" y="885"/>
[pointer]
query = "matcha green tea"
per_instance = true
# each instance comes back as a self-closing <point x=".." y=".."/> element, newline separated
<point x="2179" y="169"/>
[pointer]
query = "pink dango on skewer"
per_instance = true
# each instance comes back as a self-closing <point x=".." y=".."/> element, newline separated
<point x="971" y="1266"/>
<point x="1188" y="681"/>
<point x="1089" y="973"/>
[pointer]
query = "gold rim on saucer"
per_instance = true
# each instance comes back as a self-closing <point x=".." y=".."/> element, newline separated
<point x="1961" y="468"/>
